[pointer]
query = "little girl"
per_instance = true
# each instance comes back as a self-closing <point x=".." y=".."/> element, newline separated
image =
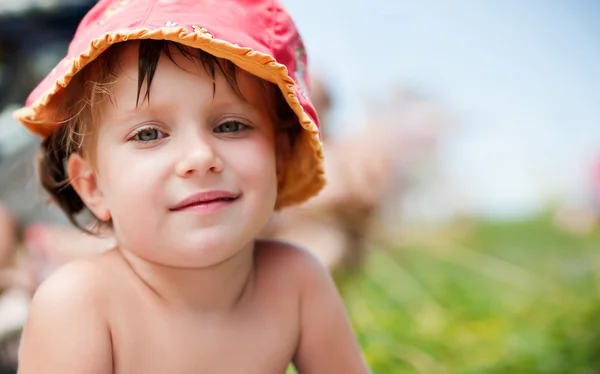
<point x="181" y="125"/>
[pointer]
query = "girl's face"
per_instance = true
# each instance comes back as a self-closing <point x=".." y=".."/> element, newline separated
<point x="189" y="177"/>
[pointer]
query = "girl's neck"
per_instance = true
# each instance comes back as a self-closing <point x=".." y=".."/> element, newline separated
<point x="218" y="288"/>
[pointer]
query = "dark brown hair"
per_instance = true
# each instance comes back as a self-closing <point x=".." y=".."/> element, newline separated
<point x="82" y="100"/>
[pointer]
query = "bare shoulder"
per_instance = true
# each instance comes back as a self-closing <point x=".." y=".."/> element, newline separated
<point x="79" y="281"/>
<point x="67" y="329"/>
<point x="282" y="259"/>
<point x="326" y="341"/>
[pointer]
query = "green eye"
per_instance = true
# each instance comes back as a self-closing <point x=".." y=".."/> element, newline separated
<point x="148" y="134"/>
<point x="230" y="126"/>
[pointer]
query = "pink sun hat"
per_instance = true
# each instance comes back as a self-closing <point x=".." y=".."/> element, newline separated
<point x="259" y="36"/>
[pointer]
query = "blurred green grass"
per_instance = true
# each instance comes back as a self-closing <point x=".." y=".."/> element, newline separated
<point x="519" y="297"/>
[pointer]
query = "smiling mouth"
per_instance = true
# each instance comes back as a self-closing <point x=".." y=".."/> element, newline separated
<point x="205" y="203"/>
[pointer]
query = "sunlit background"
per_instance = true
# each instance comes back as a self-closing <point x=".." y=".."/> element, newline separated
<point x="481" y="255"/>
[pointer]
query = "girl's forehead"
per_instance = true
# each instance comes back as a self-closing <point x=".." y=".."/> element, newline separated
<point x="179" y="71"/>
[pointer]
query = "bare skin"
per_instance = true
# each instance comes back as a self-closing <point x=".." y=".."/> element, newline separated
<point x="285" y="308"/>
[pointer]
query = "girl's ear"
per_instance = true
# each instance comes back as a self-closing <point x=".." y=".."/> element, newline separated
<point x="85" y="182"/>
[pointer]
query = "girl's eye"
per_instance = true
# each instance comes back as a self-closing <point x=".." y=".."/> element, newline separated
<point x="148" y="134"/>
<point x="230" y="126"/>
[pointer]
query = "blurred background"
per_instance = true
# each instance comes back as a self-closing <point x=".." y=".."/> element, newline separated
<point x="463" y="149"/>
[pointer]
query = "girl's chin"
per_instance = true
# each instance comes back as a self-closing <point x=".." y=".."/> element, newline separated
<point x="195" y="254"/>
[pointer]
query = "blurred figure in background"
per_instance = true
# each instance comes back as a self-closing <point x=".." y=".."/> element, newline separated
<point x="367" y="172"/>
<point x="7" y="235"/>
<point x="335" y="224"/>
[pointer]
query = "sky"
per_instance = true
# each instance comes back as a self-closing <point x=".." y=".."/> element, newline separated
<point x="519" y="78"/>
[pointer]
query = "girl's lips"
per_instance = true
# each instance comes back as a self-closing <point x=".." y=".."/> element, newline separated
<point x="204" y="200"/>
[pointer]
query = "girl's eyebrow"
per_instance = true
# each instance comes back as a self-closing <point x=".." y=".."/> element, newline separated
<point x="126" y="116"/>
